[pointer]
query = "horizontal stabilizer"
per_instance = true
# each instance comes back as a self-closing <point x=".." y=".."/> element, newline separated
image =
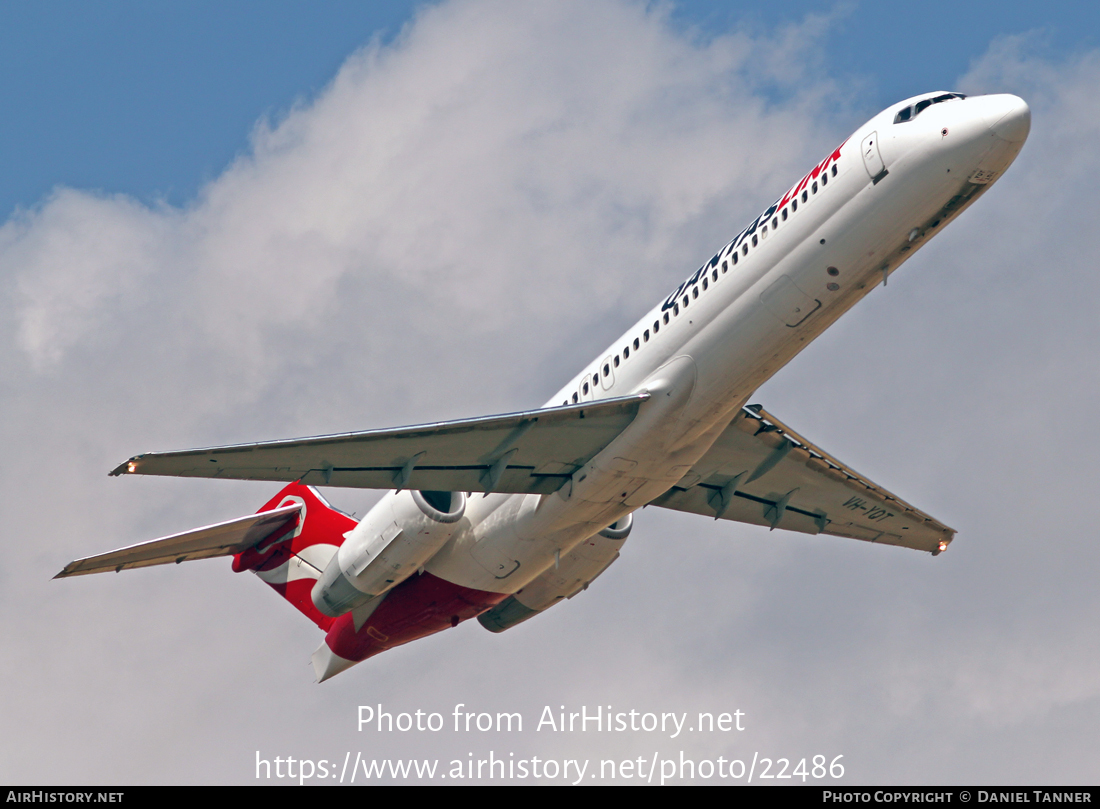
<point x="222" y="539"/>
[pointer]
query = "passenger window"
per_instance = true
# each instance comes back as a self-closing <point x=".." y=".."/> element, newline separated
<point x="735" y="258"/>
<point x="637" y="343"/>
<point x="645" y="335"/>
<point x="754" y="240"/>
<point x="626" y="352"/>
<point x="824" y="179"/>
<point x="675" y="308"/>
<point x="666" y="318"/>
<point x="574" y="397"/>
<point x="586" y="387"/>
<point x="775" y="223"/>
<point x="794" y="205"/>
<point x="805" y="195"/>
<point x="744" y="249"/>
<point x="616" y="360"/>
<point x="704" y="286"/>
<point x="606" y="369"/>
<point x="725" y="264"/>
<point x="714" y="274"/>
<point x="815" y="187"/>
<point x="685" y="301"/>
<point x="834" y="169"/>
<point x="784" y="214"/>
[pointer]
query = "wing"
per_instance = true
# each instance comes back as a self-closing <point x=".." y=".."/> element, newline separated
<point x="222" y="539"/>
<point x="762" y="472"/>
<point x="531" y="452"/>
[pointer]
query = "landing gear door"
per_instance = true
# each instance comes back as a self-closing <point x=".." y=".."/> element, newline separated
<point x="872" y="158"/>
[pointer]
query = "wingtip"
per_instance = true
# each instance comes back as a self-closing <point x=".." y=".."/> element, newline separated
<point x="124" y="468"/>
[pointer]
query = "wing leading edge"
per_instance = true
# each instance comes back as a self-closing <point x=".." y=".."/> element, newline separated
<point x="762" y="472"/>
<point x="532" y="452"/>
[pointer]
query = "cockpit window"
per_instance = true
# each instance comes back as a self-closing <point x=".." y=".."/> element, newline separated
<point x="913" y="110"/>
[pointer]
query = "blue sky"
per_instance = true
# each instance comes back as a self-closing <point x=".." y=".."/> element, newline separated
<point x="226" y="223"/>
<point x="154" y="99"/>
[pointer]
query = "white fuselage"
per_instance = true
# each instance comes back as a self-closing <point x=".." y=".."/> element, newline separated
<point x="703" y="351"/>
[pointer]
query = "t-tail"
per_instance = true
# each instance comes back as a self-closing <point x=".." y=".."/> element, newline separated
<point x="292" y="560"/>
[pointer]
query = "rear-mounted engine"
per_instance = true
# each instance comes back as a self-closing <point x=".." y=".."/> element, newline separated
<point x="572" y="575"/>
<point x="402" y="532"/>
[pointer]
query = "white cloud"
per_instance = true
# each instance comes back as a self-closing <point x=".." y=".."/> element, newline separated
<point x="458" y="167"/>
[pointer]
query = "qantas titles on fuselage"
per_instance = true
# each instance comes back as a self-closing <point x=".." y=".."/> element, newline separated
<point x="739" y="240"/>
<point x="732" y="252"/>
<point x="659" y="418"/>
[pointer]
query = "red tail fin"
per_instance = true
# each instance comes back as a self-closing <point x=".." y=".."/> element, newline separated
<point x="292" y="561"/>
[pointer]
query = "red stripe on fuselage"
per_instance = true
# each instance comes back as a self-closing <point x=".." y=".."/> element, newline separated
<point x="419" y="606"/>
<point x="813" y="175"/>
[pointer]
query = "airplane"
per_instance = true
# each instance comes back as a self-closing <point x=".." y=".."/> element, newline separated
<point x="502" y="517"/>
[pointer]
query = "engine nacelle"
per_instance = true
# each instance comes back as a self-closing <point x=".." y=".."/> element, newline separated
<point x="402" y="532"/>
<point x="619" y="529"/>
<point x="575" y="571"/>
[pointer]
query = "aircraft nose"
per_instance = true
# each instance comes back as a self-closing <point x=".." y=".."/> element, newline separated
<point x="1009" y="118"/>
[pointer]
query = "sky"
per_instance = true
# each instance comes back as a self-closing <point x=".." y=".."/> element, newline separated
<point x="279" y="219"/>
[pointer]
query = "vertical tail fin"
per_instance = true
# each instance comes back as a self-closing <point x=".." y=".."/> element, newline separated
<point x="293" y="560"/>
